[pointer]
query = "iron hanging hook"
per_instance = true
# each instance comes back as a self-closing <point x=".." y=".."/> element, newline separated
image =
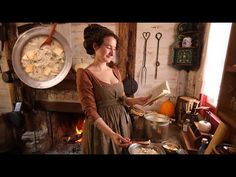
<point x="158" y="37"/>
<point x="146" y="35"/>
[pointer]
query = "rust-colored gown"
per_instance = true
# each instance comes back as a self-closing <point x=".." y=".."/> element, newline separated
<point x="100" y="99"/>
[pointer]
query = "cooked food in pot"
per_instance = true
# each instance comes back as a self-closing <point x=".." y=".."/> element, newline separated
<point x="170" y="146"/>
<point x="29" y="62"/>
<point x="45" y="63"/>
<point x="225" y="149"/>
<point x="152" y="148"/>
<point x="143" y="150"/>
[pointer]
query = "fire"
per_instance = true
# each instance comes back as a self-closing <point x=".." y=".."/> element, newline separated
<point x="77" y="136"/>
<point x="79" y="132"/>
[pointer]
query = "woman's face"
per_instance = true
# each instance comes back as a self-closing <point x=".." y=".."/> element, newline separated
<point x="107" y="50"/>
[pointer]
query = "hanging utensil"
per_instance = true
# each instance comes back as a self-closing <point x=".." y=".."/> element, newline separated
<point x="130" y="85"/>
<point x="146" y="35"/>
<point x="48" y="41"/>
<point x="158" y="37"/>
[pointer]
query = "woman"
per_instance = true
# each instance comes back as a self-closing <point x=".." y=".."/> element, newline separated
<point x="107" y="128"/>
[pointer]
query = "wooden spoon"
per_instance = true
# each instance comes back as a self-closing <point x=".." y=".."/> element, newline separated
<point x="142" y="142"/>
<point x="48" y="41"/>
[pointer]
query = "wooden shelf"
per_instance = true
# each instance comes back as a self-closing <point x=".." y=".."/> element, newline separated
<point x="227" y="116"/>
<point x="188" y="142"/>
<point x="70" y="107"/>
<point x="192" y="138"/>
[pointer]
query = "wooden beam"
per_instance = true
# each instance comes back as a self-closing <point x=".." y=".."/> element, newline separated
<point x="122" y="55"/>
<point x="59" y="106"/>
<point x="132" y="46"/>
<point x="218" y="137"/>
<point x="127" y="35"/>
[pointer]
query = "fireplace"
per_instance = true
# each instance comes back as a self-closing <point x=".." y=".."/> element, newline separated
<point x="53" y="120"/>
<point x="53" y="133"/>
<point x="43" y="132"/>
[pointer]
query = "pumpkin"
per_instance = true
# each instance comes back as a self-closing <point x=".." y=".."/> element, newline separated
<point x="167" y="108"/>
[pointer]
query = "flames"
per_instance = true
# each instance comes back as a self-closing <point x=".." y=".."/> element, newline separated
<point x="77" y="136"/>
<point x="79" y="132"/>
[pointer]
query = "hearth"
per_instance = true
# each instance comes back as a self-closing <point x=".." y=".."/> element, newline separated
<point x="53" y="133"/>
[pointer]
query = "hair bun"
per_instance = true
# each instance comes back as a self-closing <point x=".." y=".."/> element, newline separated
<point x="91" y="30"/>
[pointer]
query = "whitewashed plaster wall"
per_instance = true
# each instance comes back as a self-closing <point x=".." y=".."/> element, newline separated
<point x="177" y="79"/>
<point x="195" y="78"/>
<point x="199" y="74"/>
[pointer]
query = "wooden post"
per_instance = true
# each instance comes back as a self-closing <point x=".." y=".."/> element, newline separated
<point x="122" y="56"/>
<point x="7" y="90"/>
<point x="124" y="29"/>
<point x="218" y="137"/>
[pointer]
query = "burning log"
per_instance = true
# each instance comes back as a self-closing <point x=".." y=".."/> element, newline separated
<point x="73" y="138"/>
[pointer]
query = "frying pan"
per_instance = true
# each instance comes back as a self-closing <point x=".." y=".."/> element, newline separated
<point x="16" y="117"/>
<point x="130" y="85"/>
<point x="23" y="39"/>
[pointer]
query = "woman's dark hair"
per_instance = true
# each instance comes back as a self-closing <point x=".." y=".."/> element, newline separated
<point x="95" y="33"/>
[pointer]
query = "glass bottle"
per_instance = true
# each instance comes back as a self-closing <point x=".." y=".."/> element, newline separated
<point x="203" y="146"/>
<point x="185" y="125"/>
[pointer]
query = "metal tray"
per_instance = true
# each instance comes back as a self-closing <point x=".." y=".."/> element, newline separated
<point x="18" y="49"/>
<point x="135" y="148"/>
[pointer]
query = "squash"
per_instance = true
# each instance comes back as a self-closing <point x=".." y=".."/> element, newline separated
<point x="167" y="108"/>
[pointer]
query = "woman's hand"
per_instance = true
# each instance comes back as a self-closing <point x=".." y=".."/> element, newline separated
<point x="143" y="100"/>
<point x="121" y="141"/>
<point x="140" y="100"/>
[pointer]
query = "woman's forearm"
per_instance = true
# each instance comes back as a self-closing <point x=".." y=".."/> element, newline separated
<point x="140" y="100"/>
<point x="101" y="125"/>
<point x="116" y="138"/>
